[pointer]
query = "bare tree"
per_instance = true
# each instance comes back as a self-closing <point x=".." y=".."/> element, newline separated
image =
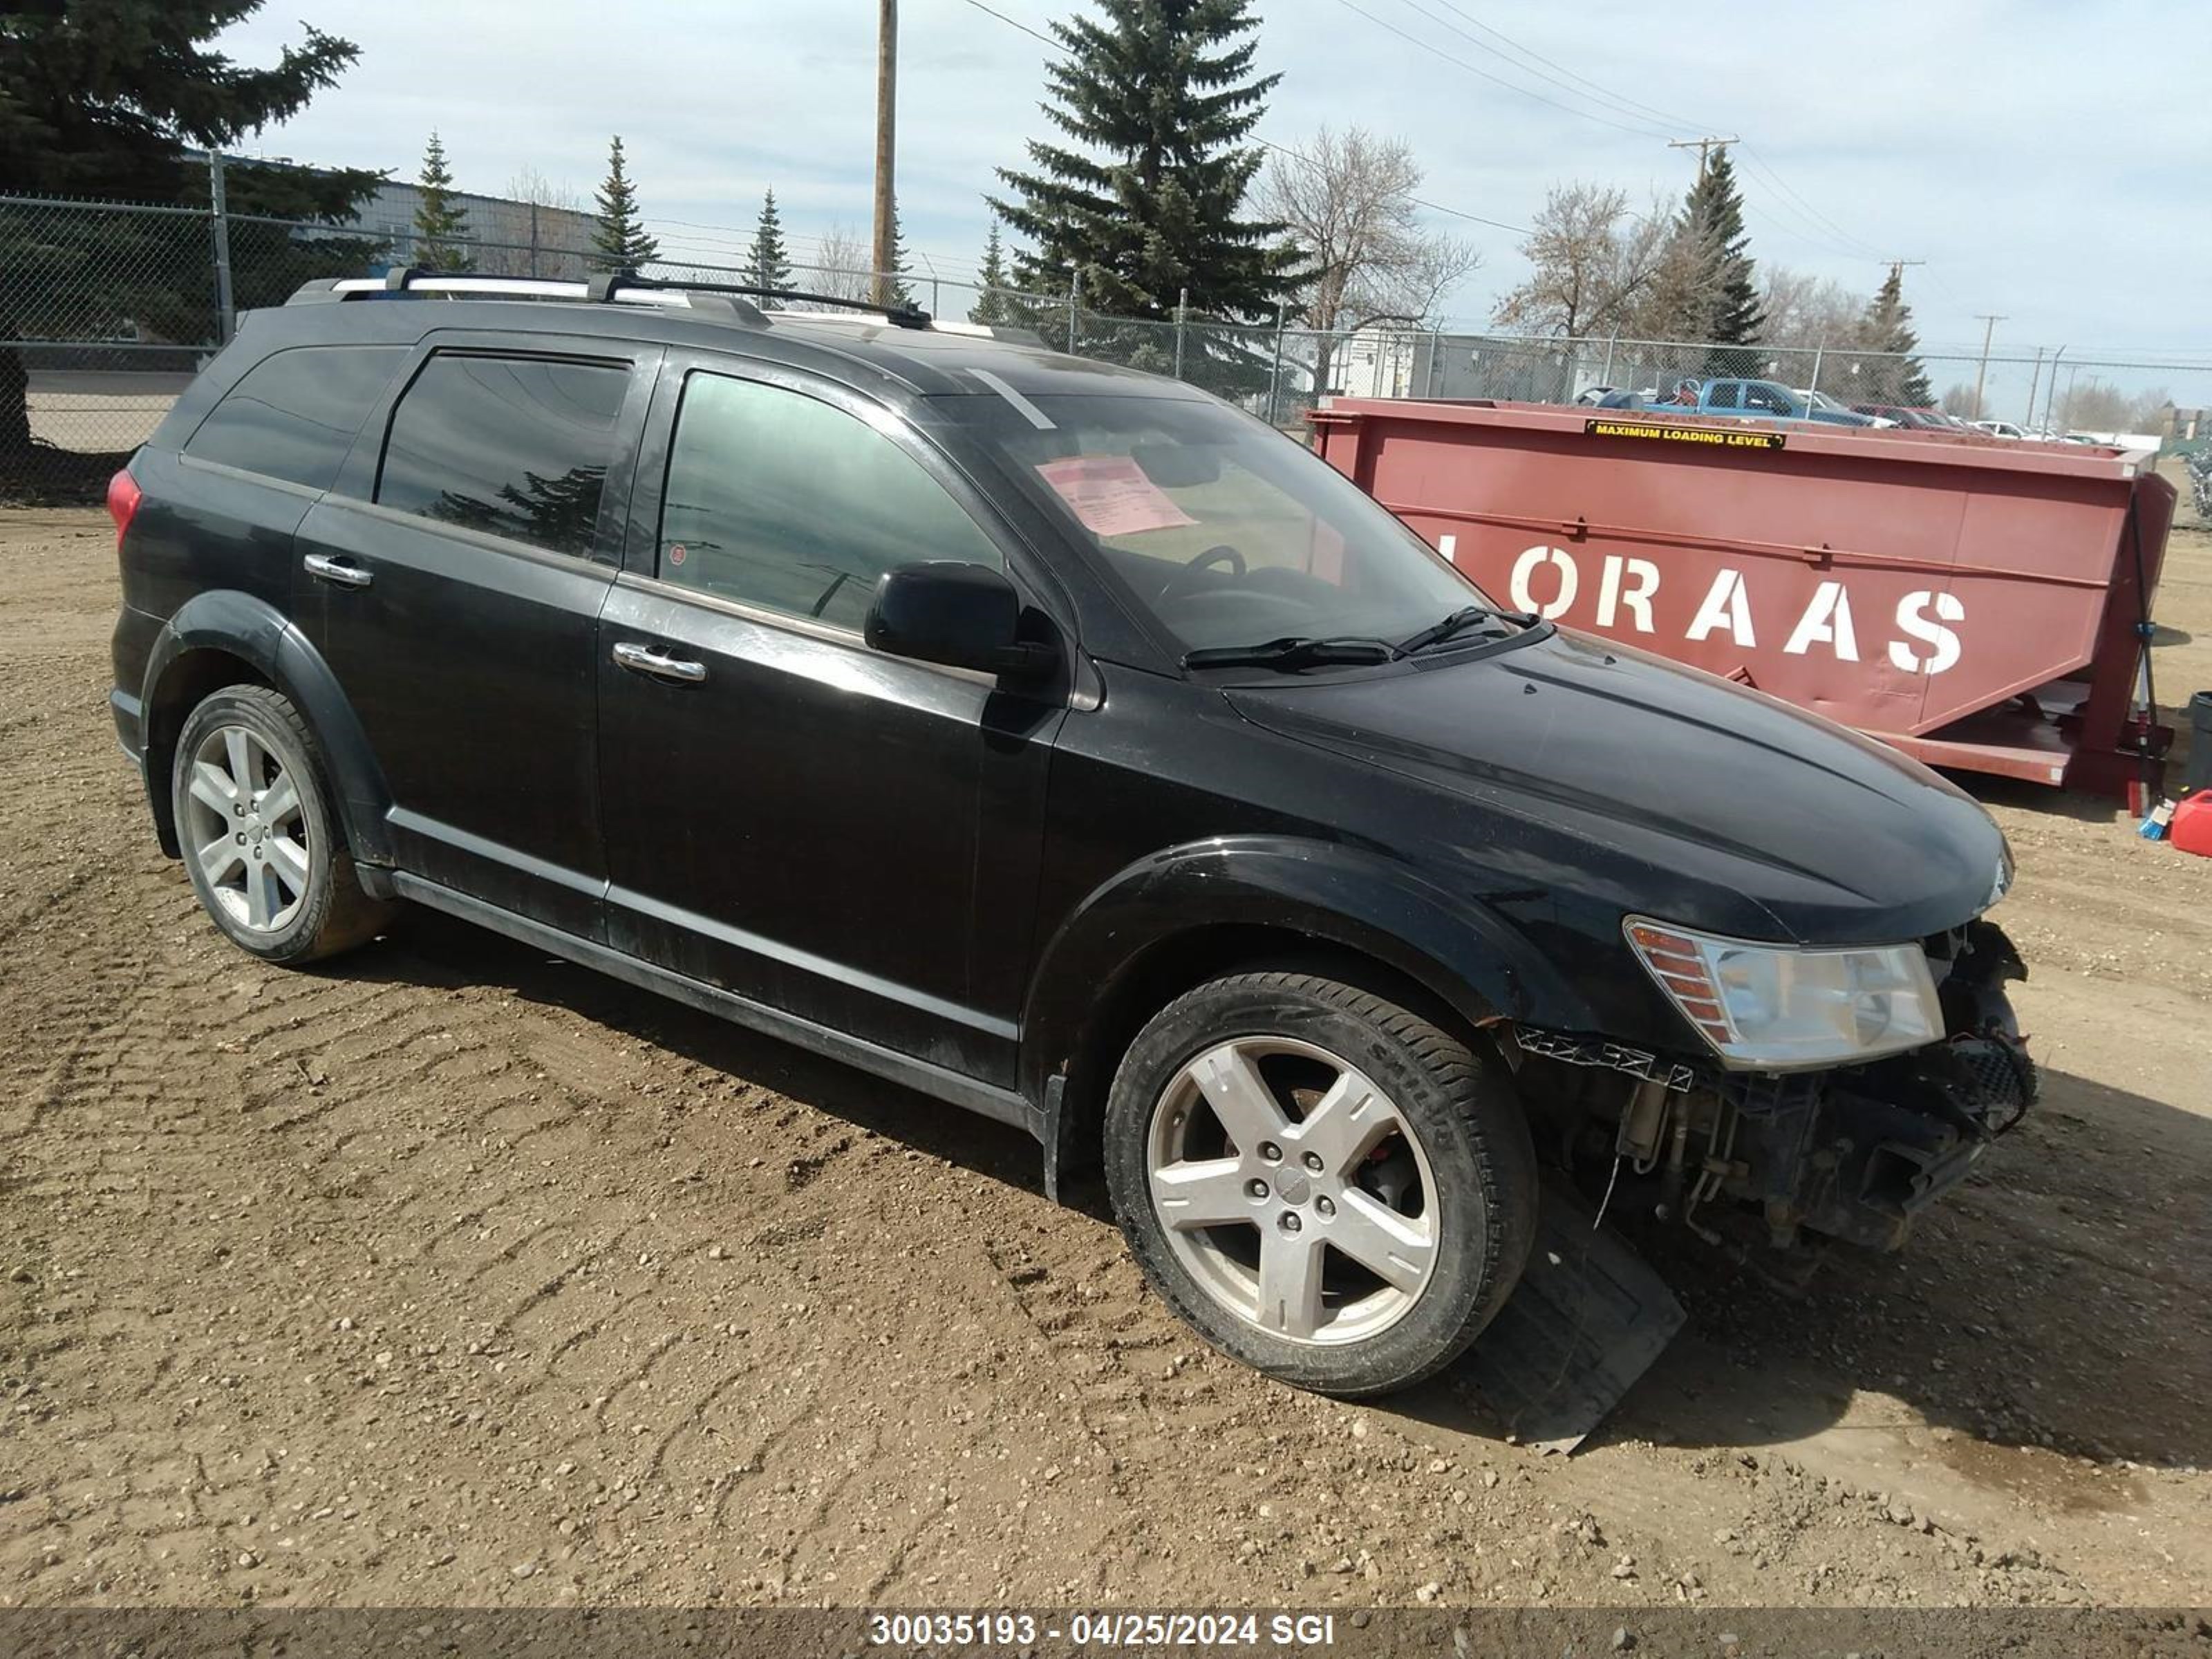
<point x="2149" y="411"/>
<point x="1350" y="210"/>
<point x="2094" y="405"/>
<point x="1676" y="298"/>
<point x="550" y="241"/>
<point x="1805" y="310"/>
<point x="1960" y="400"/>
<point x="528" y="184"/>
<point x="843" y="265"/>
<point x="1590" y="259"/>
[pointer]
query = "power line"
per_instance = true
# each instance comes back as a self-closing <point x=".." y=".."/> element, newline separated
<point x="1822" y="228"/>
<point x="1606" y="99"/>
<point x="1266" y="144"/>
<point x="1643" y="130"/>
<point x="1628" y="105"/>
<point x="1704" y="147"/>
<point x="1865" y="250"/>
<point x="1034" y="35"/>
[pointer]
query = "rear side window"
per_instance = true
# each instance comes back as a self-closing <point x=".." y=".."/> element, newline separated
<point x="1724" y="395"/>
<point x="779" y="501"/>
<point x="515" y="446"/>
<point x="294" y="415"/>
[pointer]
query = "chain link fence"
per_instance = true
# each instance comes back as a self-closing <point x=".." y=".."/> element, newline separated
<point x="106" y="311"/>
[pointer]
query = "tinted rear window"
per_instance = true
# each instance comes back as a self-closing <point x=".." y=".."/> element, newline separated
<point x="294" y="415"/>
<point x="515" y="446"/>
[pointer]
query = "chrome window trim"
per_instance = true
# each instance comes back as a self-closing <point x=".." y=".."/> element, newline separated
<point x="784" y="622"/>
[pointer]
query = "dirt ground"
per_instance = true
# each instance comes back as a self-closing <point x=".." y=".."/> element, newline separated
<point x="456" y="1275"/>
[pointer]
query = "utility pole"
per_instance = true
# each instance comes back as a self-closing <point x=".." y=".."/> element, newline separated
<point x="1703" y="146"/>
<point x="886" y="256"/>
<point x="1982" y="374"/>
<point x="219" y="216"/>
<point x="1897" y="269"/>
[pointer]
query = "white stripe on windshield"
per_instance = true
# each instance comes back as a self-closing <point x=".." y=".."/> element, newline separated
<point x="1030" y="412"/>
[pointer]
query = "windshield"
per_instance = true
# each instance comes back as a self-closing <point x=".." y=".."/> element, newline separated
<point x="1222" y="531"/>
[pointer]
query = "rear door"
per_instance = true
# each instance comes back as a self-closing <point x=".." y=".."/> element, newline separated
<point x="453" y="584"/>
<point x="847" y="837"/>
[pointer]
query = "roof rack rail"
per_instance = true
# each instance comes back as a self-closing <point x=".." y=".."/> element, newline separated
<point x="606" y="288"/>
<point x="903" y="314"/>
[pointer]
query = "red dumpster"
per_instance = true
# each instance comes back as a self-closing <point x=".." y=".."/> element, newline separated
<point x="1979" y="605"/>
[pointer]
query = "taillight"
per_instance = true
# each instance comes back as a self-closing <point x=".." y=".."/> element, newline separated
<point x="123" y="498"/>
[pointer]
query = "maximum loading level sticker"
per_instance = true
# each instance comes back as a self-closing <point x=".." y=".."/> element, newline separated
<point x="1718" y="437"/>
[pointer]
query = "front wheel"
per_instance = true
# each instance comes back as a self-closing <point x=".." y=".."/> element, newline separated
<point x="1327" y="1186"/>
<point x="259" y="839"/>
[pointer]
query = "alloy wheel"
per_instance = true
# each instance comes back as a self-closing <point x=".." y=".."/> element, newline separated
<point x="1293" y="1190"/>
<point x="246" y="830"/>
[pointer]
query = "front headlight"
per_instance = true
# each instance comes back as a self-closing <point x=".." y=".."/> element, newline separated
<point x="1775" y="1008"/>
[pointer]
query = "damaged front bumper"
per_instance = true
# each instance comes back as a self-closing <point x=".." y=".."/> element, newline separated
<point x="1851" y="1154"/>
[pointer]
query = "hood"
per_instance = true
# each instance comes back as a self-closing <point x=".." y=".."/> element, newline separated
<point x="1695" y="801"/>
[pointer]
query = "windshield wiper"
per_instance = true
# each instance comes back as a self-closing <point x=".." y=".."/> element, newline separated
<point x="1293" y="651"/>
<point x="1458" y="622"/>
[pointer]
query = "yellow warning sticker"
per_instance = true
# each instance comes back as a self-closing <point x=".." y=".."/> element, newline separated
<point x="1716" y="437"/>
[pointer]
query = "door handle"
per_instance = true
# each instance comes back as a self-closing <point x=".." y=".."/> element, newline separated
<point x="650" y="659"/>
<point x="343" y="571"/>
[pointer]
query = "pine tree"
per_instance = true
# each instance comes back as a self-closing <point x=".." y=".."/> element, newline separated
<point x="769" y="265"/>
<point x="1161" y="97"/>
<point x="993" y="305"/>
<point x="442" y="228"/>
<point x="102" y="101"/>
<point x="902" y="291"/>
<point x="1712" y="221"/>
<point x="1897" y="375"/>
<point x="620" y="243"/>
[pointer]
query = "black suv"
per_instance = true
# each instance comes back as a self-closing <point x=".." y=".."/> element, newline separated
<point x="1066" y="744"/>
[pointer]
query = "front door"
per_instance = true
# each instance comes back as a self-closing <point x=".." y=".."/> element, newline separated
<point x="454" y="582"/>
<point x="847" y="837"/>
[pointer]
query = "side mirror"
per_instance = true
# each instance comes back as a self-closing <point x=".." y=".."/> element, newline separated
<point x="963" y="615"/>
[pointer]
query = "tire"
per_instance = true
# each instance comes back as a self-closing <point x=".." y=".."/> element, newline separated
<point x="280" y="883"/>
<point x="1269" y="1244"/>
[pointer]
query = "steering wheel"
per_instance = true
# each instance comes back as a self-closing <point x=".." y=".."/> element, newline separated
<point x="1220" y="553"/>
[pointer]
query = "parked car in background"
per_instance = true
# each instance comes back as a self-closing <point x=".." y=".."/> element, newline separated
<point x="1756" y="400"/>
<point x="1915" y="420"/>
<point x="1821" y="404"/>
<point x="2000" y="429"/>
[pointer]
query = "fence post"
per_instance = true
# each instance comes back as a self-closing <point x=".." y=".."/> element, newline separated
<point x="2035" y="384"/>
<point x="1605" y="374"/>
<point x="1813" y="384"/>
<point x="1275" y="372"/>
<point x="226" y="313"/>
<point x="1182" y="316"/>
<point x="1074" y="300"/>
<point x="1429" y="378"/>
<point x="935" y="306"/>
<point x="533" y="238"/>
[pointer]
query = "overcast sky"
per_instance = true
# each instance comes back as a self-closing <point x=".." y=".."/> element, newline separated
<point x="2048" y="160"/>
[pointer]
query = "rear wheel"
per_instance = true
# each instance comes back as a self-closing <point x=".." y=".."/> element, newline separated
<point x="1327" y="1186"/>
<point x="259" y="841"/>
